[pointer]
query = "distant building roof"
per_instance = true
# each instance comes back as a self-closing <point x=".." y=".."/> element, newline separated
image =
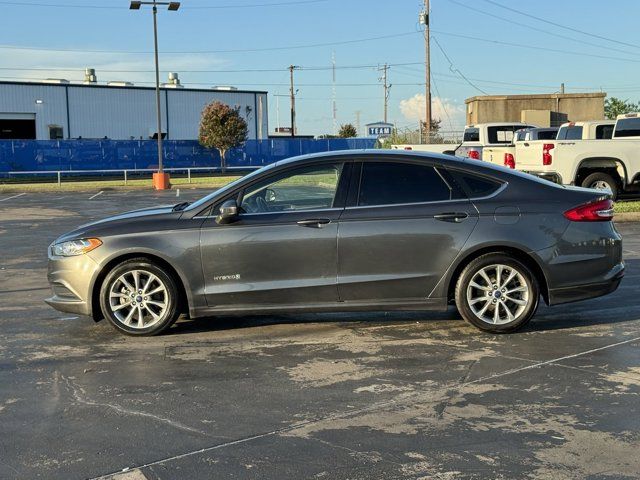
<point x="491" y="98"/>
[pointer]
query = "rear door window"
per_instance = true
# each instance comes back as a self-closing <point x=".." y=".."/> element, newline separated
<point x="628" y="127"/>
<point x="604" y="132"/>
<point x="393" y="183"/>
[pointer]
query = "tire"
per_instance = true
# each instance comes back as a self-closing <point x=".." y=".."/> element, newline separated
<point x="601" y="180"/>
<point x="521" y="292"/>
<point x="123" y="307"/>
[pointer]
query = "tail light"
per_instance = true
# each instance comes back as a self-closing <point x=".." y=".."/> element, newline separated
<point x="600" y="211"/>
<point x="408" y="148"/>
<point x="474" y="154"/>
<point x="547" y="159"/>
<point x="509" y="161"/>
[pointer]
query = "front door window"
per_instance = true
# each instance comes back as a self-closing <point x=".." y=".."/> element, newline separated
<point x="309" y="188"/>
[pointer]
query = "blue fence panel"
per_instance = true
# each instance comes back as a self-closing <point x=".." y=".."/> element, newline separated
<point x="64" y="155"/>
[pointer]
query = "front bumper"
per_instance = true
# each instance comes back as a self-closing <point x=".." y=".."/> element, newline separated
<point x="71" y="280"/>
<point x="587" y="291"/>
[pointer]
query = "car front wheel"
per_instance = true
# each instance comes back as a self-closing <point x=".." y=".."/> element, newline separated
<point x="139" y="298"/>
<point x="497" y="293"/>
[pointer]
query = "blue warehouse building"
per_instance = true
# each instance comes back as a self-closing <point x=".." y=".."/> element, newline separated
<point x="61" y="110"/>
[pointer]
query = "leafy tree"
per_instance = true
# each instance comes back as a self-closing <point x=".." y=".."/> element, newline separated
<point x="347" y="131"/>
<point x="435" y="128"/>
<point x="222" y="128"/>
<point x="614" y="106"/>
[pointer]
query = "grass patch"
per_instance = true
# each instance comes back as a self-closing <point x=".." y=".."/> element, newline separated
<point x="201" y="182"/>
<point x="627" y="207"/>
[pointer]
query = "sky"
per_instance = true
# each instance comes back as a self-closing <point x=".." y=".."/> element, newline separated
<point x="477" y="47"/>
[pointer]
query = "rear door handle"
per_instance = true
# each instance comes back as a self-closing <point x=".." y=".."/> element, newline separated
<point x="455" y="217"/>
<point x="314" y="222"/>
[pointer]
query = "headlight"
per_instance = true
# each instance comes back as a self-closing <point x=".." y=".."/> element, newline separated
<point x="76" y="247"/>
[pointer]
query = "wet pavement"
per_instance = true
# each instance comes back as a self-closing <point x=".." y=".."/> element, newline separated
<point x="331" y="396"/>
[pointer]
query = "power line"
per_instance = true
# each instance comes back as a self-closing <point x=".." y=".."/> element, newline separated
<point x="247" y="70"/>
<point x="236" y="50"/>
<point x="531" y="27"/>
<point x="455" y="70"/>
<point x="544" y="20"/>
<point x="534" y="47"/>
<point x="444" y="107"/>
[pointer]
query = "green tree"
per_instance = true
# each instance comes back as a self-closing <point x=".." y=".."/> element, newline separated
<point x="222" y="128"/>
<point x="347" y="131"/>
<point x="615" y="106"/>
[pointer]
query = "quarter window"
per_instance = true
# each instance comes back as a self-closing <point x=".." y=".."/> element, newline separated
<point x="478" y="186"/>
<point x="307" y="188"/>
<point x="387" y="183"/>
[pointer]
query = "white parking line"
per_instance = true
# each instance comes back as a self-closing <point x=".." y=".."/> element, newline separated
<point x="15" y="196"/>
<point x="96" y="195"/>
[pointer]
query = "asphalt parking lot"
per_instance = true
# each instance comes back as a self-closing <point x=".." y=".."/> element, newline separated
<point x="332" y="396"/>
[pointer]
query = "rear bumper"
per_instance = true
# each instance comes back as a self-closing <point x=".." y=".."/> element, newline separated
<point x="591" y="290"/>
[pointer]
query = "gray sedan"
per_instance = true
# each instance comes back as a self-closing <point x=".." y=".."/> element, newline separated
<point x="365" y="230"/>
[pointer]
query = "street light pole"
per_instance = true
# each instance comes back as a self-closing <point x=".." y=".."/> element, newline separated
<point x="160" y="179"/>
<point x="158" y="108"/>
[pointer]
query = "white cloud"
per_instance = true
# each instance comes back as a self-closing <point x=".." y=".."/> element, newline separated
<point x="413" y="109"/>
<point x="55" y="65"/>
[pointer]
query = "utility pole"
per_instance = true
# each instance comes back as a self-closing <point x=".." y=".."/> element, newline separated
<point x="358" y="113"/>
<point x="424" y="20"/>
<point x="293" y="101"/>
<point x="384" y="79"/>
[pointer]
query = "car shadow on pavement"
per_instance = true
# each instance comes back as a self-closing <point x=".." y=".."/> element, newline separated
<point x="440" y="320"/>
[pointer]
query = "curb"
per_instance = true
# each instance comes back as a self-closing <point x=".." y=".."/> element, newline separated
<point x="626" y="217"/>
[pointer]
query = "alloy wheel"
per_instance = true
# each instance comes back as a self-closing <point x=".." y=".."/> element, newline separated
<point x="138" y="299"/>
<point x="498" y="294"/>
<point x="600" y="185"/>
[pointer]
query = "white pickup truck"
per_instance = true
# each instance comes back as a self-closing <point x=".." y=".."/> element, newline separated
<point x="594" y="130"/>
<point x="506" y="155"/>
<point x="475" y="139"/>
<point x="606" y="164"/>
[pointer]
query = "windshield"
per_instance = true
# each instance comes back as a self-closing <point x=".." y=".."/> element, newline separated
<point x="204" y="200"/>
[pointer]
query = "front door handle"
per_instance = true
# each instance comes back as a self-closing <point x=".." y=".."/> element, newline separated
<point x="455" y="217"/>
<point x="314" y="222"/>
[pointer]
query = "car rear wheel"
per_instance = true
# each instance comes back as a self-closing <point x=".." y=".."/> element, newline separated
<point x="139" y="298"/>
<point x="497" y="293"/>
<point x="601" y="181"/>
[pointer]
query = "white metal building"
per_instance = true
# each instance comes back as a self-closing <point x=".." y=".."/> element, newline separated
<point x="58" y="109"/>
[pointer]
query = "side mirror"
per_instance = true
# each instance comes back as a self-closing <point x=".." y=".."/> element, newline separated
<point x="228" y="212"/>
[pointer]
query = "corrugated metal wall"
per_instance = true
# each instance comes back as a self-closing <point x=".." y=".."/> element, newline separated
<point x="15" y="98"/>
<point x="185" y="108"/>
<point x="123" y="113"/>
